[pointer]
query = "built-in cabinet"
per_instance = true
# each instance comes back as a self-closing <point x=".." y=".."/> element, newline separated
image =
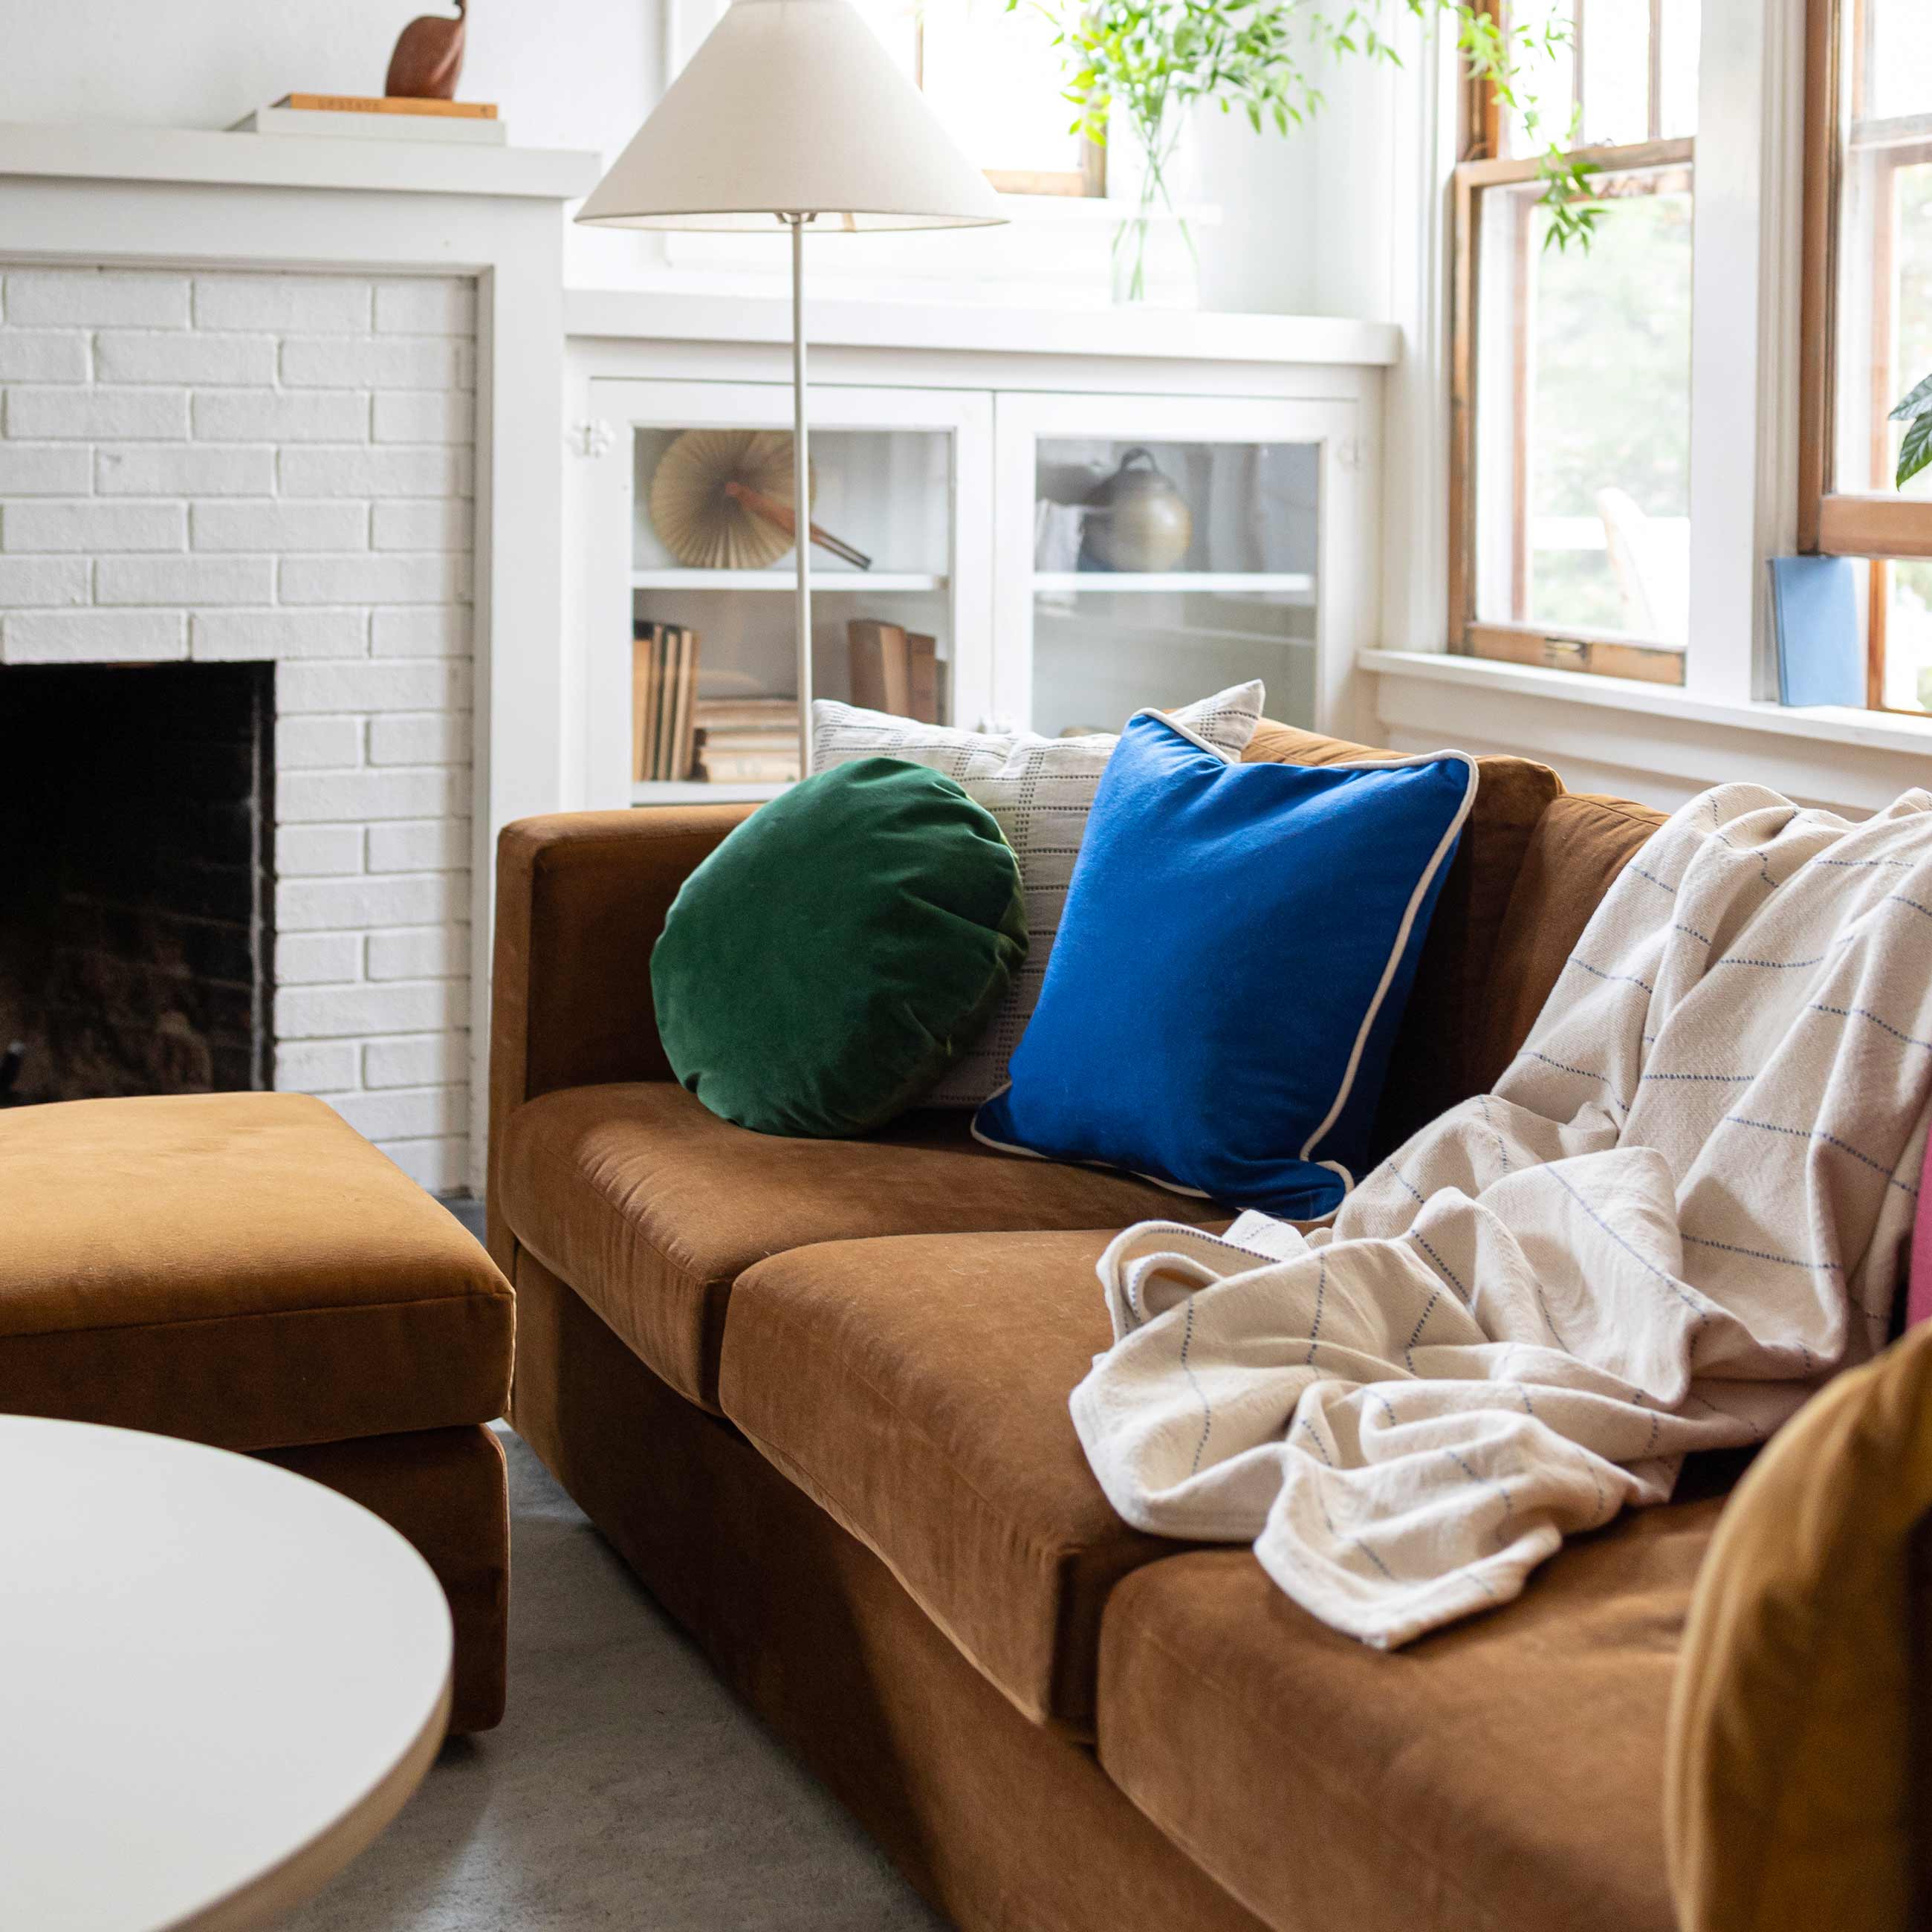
<point x="1079" y="535"/>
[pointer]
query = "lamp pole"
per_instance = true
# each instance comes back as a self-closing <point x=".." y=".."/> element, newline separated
<point x="801" y="470"/>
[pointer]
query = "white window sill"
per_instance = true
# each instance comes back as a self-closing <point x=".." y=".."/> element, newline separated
<point x="1649" y="742"/>
<point x="1835" y="724"/>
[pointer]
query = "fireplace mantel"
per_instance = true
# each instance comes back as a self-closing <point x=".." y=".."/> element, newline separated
<point x="197" y="203"/>
<point x="188" y="156"/>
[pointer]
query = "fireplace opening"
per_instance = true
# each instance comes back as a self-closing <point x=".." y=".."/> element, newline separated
<point x="137" y="937"/>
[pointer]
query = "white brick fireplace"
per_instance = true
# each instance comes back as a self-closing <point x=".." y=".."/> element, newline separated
<point x="241" y="420"/>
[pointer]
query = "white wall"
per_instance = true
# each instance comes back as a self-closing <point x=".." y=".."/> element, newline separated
<point x="582" y="74"/>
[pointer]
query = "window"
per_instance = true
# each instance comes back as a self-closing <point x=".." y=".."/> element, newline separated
<point x="1867" y="322"/>
<point x="994" y="77"/>
<point x="1569" y="498"/>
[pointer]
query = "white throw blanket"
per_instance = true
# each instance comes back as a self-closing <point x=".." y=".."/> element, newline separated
<point x="1685" y="1204"/>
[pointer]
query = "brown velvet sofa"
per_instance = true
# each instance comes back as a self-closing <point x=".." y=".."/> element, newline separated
<point x="816" y="1393"/>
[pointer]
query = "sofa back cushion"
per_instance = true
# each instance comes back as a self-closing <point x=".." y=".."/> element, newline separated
<point x="1573" y="852"/>
<point x="1437" y="1059"/>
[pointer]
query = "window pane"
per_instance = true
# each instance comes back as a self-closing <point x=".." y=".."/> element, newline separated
<point x="994" y="77"/>
<point x="1549" y="85"/>
<point x="1616" y="72"/>
<point x="1583" y="413"/>
<point x="1898" y="600"/>
<point x="1892" y="67"/>
<point x="1885" y="239"/>
<point x="1682" y="23"/>
<point x="1633" y="90"/>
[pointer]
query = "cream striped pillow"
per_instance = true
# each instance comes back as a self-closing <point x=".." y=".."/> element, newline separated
<point x="1040" y="790"/>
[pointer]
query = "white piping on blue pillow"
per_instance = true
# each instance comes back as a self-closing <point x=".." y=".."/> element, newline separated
<point x="1099" y="1166"/>
<point x="1400" y="946"/>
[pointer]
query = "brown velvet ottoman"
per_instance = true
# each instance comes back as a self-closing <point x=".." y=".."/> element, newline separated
<point x="245" y="1270"/>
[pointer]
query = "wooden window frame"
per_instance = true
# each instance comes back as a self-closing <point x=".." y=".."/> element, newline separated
<point x="1875" y="525"/>
<point x="1569" y="648"/>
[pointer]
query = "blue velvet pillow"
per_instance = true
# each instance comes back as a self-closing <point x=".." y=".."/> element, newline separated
<point x="1237" y="946"/>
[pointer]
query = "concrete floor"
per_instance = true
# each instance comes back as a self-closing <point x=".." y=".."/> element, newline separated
<point x="626" y="1788"/>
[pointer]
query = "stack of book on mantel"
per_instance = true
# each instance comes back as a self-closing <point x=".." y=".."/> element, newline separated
<point x="379" y="117"/>
<point x="748" y="740"/>
<point x="664" y="692"/>
<point x="896" y="670"/>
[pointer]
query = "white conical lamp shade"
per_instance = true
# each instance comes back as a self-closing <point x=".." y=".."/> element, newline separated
<point x="792" y="106"/>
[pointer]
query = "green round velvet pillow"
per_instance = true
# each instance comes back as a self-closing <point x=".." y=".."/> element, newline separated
<point x="841" y="948"/>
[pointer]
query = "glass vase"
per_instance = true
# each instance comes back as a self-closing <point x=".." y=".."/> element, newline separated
<point x="1143" y="271"/>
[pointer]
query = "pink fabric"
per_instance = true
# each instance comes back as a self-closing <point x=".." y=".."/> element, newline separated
<point x="1918" y="1286"/>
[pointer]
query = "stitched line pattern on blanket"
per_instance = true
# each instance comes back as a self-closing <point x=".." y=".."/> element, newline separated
<point x="1700" y="1310"/>
<point x="1866" y="1013"/>
<point x="1762" y="1254"/>
<point x="1775" y="965"/>
<point x="1421" y="1323"/>
<point x="1314" y="1326"/>
<point x="1315" y="1437"/>
<point x="1421" y="1240"/>
<point x="1207" y="1407"/>
<point x="1562" y="1067"/>
<point x="1672" y="1340"/>
<point x="1501" y="1488"/>
<point x="1442" y="1268"/>
<point x="1763" y="868"/>
<point x="1713" y="1079"/>
<point x="1628" y="978"/>
<point x="1502" y="1145"/>
<point x="1829" y="1140"/>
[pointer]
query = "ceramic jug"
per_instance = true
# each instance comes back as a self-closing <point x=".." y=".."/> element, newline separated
<point x="1137" y="520"/>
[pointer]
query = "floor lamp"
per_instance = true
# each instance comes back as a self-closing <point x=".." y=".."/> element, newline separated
<point x="792" y="113"/>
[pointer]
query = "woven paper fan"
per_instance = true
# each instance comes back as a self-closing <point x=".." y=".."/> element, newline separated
<point x="700" y="522"/>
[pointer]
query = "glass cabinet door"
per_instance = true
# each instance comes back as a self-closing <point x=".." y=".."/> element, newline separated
<point x="693" y="685"/>
<point x="1175" y="548"/>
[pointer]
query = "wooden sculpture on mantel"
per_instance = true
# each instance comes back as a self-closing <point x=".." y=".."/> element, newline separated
<point x="428" y="57"/>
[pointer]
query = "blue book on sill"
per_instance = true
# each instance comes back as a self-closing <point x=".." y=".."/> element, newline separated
<point x="1821" y="658"/>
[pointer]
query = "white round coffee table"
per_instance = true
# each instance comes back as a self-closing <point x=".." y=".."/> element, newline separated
<point x="218" y="1681"/>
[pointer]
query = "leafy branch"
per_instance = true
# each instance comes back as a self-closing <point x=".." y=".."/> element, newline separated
<point x="1914" y="452"/>
<point x="1152" y="60"/>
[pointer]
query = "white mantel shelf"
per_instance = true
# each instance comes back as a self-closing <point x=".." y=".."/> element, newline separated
<point x="678" y="315"/>
<point x="102" y="152"/>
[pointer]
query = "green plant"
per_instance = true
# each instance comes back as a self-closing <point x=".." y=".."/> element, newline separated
<point x="1915" y="451"/>
<point x="1152" y="60"/>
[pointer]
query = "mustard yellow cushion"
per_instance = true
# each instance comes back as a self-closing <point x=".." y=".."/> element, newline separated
<point x="1786" y="1790"/>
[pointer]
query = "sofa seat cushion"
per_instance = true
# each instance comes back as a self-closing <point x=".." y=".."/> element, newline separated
<point x="917" y="1389"/>
<point x="240" y="1269"/>
<point x="1503" y="1774"/>
<point x="651" y="1208"/>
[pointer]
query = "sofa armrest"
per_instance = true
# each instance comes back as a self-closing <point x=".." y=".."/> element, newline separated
<point x="581" y="898"/>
